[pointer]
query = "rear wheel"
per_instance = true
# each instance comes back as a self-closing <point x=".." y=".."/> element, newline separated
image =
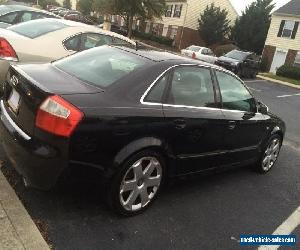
<point x="270" y="154"/>
<point x="137" y="185"/>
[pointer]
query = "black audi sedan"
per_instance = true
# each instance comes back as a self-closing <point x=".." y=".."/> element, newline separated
<point x="242" y="63"/>
<point x="138" y="116"/>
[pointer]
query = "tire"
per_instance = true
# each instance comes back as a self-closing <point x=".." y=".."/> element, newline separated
<point x="143" y="187"/>
<point x="253" y="75"/>
<point x="269" y="155"/>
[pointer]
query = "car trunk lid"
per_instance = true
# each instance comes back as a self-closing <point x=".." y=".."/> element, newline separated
<point x="26" y="88"/>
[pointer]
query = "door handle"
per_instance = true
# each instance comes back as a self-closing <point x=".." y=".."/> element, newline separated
<point x="180" y="124"/>
<point x="231" y="125"/>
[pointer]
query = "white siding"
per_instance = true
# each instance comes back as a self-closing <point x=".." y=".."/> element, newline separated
<point x="195" y="7"/>
<point x="281" y="42"/>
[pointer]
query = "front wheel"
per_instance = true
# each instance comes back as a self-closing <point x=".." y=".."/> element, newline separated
<point x="270" y="154"/>
<point x="137" y="185"/>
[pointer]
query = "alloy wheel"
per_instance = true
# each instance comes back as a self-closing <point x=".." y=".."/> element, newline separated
<point x="271" y="154"/>
<point x="140" y="183"/>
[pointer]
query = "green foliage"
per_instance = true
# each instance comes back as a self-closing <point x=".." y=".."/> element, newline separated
<point x="85" y="6"/>
<point x="144" y="9"/>
<point x="44" y="3"/>
<point x="224" y="49"/>
<point x="67" y="4"/>
<point x="159" y="39"/>
<point x="213" y="25"/>
<point x="289" y="71"/>
<point x="251" y="29"/>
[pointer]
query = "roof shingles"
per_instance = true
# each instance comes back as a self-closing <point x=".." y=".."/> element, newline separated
<point x="291" y="8"/>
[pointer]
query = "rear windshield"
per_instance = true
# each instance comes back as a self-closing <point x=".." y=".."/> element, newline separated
<point x="4" y="9"/>
<point x="101" y="66"/>
<point x="36" y="28"/>
<point x="238" y="55"/>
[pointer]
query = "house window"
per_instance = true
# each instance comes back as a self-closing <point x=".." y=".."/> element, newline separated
<point x="288" y="29"/>
<point x="177" y="10"/>
<point x="169" y="11"/>
<point x="297" y="60"/>
<point x="173" y="32"/>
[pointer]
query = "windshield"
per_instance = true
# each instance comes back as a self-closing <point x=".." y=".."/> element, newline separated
<point x="101" y="66"/>
<point x="194" y="48"/>
<point x="238" y="55"/>
<point x="36" y="28"/>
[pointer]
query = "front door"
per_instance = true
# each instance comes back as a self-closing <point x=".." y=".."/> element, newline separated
<point x="195" y="125"/>
<point x="245" y="127"/>
<point x="278" y="60"/>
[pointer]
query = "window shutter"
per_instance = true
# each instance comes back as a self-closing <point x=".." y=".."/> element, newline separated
<point x="281" y="28"/>
<point x="295" y="30"/>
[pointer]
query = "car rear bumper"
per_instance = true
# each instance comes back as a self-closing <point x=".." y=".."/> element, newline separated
<point x="39" y="163"/>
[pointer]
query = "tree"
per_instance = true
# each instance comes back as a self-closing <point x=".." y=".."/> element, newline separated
<point x="85" y="6"/>
<point x="44" y="3"/>
<point x="67" y="4"/>
<point x="251" y="29"/>
<point x="213" y="25"/>
<point x="128" y="9"/>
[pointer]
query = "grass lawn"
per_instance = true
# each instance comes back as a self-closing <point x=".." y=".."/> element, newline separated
<point x="281" y="78"/>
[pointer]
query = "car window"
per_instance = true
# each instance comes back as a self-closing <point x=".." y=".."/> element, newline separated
<point x="210" y="52"/>
<point x="156" y="93"/>
<point x="94" y="40"/>
<point x="26" y="16"/>
<point x="37" y="28"/>
<point x="101" y="66"/>
<point x="9" y="18"/>
<point x="73" y="43"/>
<point x="194" y="48"/>
<point x="192" y="86"/>
<point x="234" y="94"/>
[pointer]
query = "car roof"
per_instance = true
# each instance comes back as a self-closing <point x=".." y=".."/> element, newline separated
<point x="72" y="27"/>
<point x="4" y="9"/>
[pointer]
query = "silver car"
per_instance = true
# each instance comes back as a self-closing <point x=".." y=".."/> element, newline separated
<point x="45" y="40"/>
<point x="13" y="14"/>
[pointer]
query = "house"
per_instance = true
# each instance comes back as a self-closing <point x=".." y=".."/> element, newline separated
<point x="73" y="3"/>
<point x="283" y="41"/>
<point x="180" y="21"/>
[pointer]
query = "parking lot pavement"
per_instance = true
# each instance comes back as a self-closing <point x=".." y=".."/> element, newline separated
<point x="203" y="212"/>
<point x="283" y="101"/>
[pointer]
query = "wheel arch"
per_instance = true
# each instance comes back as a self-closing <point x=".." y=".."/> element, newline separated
<point x="138" y="145"/>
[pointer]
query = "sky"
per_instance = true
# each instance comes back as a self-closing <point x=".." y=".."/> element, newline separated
<point x="240" y="5"/>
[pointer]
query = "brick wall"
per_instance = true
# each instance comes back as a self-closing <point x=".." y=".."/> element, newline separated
<point x="267" y="57"/>
<point x="291" y="56"/>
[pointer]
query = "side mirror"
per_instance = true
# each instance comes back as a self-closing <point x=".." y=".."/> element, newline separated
<point x="262" y="108"/>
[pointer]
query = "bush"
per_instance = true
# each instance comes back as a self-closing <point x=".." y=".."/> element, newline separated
<point x="224" y="49"/>
<point x="159" y="39"/>
<point x="289" y="71"/>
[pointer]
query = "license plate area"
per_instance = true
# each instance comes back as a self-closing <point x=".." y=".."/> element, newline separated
<point x="14" y="101"/>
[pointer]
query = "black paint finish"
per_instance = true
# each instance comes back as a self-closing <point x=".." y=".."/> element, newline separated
<point x="116" y="125"/>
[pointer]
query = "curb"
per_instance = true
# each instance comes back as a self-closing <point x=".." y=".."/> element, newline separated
<point x="279" y="82"/>
<point x="23" y="227"/>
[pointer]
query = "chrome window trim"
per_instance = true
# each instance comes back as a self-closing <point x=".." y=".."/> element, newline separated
<point x="191" y="107"/>
<point x="15" y="126"/>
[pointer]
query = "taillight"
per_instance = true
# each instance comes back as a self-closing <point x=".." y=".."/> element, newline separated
<point x="58" y="117"/>
<point x="6" y="51"/>
<point x="194" y="55"/>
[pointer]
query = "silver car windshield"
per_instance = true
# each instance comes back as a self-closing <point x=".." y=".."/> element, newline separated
<point x="36" y="28"/>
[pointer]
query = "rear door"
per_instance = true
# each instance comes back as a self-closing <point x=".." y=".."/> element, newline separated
<point x="245" y="128"/>
<point x="195" y="129"/>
